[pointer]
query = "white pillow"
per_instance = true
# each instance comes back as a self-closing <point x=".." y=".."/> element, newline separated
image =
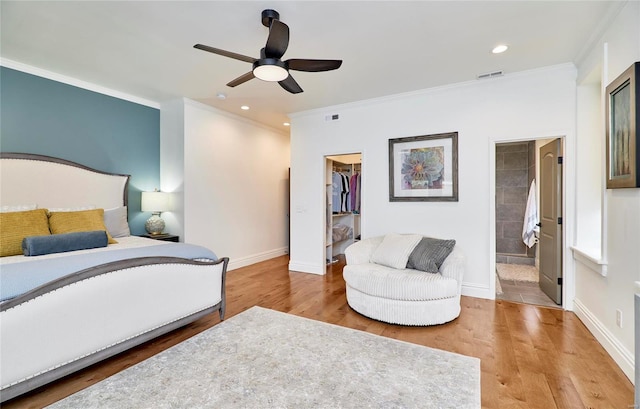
<point x="18" y="208"/>
<point x="395" y="249"/>
<point x="70" y="209"/>
<point x="115" y="220"/>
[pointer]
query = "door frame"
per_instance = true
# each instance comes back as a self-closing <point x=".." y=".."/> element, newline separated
<point x="568" y="217"/>
<point x="363" y="189"/>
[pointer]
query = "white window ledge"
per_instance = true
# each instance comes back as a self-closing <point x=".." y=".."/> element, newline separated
<point x="589" y="259"/>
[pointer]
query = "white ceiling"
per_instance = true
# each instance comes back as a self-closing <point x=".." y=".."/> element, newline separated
<point x="145" y="48"/>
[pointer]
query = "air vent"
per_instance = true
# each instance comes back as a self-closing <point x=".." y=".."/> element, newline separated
<point x="332" y="117"/>
<point x="492" y="74"/>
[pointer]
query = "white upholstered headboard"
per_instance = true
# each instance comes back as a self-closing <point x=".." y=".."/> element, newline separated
<point x="54" y="183"/>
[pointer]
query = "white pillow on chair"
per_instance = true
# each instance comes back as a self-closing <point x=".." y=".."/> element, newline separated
<point x="395" y="249"/>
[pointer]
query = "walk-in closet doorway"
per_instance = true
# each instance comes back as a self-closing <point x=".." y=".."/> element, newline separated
<point x="343" y="203"/>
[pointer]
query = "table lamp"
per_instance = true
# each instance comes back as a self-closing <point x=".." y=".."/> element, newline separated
<point x="155" y="202"/>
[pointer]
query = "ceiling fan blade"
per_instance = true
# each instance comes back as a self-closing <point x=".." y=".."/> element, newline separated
<point x="241" y="79"/>
<point x="278" y="40"/>
<point x="225" y="53"/>
<point x="313" y="65"/>
<point x="290" y="85"/>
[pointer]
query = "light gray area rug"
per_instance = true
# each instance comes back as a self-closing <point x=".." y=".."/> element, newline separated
<point x="517" y="272"/>
<point x="267" y="359"/>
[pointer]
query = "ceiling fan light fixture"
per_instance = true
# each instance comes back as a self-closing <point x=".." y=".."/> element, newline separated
<point x="270" y="69"/>
<point x="269" y="66"/>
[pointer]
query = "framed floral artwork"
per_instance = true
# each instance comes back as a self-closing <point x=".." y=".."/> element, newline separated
<point x="622" y="112"/>
<point x="424" y="168"/>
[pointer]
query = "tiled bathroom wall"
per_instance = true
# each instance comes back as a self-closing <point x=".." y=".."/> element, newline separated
<point x="515" y="169"/>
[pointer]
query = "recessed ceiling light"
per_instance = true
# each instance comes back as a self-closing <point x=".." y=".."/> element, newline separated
<point x="244" y="108"/>
<point x="286" y="123"/>
<point x="500" y="49"/>
<point x="221" y="95"/>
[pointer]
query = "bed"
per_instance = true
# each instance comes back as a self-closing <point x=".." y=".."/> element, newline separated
<point x="83" y="306"/>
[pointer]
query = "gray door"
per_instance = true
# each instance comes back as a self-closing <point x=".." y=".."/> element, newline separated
<point x="550" y="238"/>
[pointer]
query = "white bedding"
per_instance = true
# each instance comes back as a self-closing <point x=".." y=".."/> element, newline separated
<point x="129" y="242"/>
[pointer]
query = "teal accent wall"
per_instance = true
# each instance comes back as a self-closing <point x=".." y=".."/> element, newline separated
<point x="46" y="117"/>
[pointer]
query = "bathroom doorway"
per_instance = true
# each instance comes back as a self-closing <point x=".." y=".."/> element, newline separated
<point x="519" y="201"/>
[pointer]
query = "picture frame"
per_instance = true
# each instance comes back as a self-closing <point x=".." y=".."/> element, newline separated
<point x="622" y="113"/>
<point x="424" y="168"/>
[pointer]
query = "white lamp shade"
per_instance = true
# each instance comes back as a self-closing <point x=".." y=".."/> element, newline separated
<point x="156" y="202"/>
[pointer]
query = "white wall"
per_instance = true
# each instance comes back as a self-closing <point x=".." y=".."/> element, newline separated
<point x="520" y="106"/>
<point x="598" y="297"/>
<point x="589" y="157"/>
<point x="172" y="163"/>
<point x="235" y="173"/>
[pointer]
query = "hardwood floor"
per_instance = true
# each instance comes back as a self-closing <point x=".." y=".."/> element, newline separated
<point x="531" y="357"/>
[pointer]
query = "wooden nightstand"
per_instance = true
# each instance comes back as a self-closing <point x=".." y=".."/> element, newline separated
<point x="163" y="237"/>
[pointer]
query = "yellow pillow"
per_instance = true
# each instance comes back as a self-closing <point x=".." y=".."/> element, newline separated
<point x="15" y="226"/>
<point x="73" y="222"/>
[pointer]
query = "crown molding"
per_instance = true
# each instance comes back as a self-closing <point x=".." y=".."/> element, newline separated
<point x="431" y="91"/>
<point x="233" y="116"/>
<point x="29" y="69"/>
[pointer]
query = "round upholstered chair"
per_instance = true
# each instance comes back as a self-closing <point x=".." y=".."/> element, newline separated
<point x="380" y="286"/>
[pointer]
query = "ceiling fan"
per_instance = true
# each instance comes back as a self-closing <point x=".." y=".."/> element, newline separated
<point x="270" y="67"/>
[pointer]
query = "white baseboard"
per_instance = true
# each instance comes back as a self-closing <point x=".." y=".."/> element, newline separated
<point x="621" y="355"/>
<point x="477" y="291"/>
<point x="307" y="268"/>
<point x="235" y="263"/>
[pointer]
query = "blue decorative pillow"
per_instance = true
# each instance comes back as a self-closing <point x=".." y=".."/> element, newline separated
<point x="59" y="243"/>
<point x="429" y="254"/>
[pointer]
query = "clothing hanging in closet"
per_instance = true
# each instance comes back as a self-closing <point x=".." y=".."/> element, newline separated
<point x="355" y="193"/>
<point x="344" y="197"/>
<point x="340" y="193"/>
<point x="345" y="192"/>
<point x="336" y="192"/>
